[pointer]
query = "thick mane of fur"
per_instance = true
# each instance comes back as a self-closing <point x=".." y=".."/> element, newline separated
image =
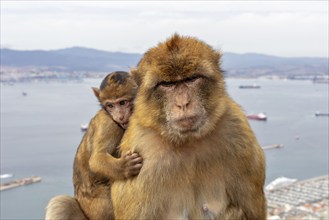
<point x="173" y="43"/>
<point x="179" y="56"/>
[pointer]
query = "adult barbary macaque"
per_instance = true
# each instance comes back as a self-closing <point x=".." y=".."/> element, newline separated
<point x="201" y="159"/>
<point x="95" y="167"/>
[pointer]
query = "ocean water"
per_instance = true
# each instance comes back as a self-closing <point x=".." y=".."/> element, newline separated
<point x="41" y="131"/>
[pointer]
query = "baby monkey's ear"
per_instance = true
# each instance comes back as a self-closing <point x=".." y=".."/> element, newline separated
<point x="96" y="92"/>
<point x="136" y="76"/>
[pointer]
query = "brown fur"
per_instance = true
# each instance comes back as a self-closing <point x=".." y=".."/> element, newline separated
<point x="95" y="167"/>
<point x="201" y="159"/>
<point x="58" y="205"/>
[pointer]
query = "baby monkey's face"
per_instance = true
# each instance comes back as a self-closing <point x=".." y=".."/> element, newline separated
<point x="116" y="94"/>
<point x="120" y="110"/>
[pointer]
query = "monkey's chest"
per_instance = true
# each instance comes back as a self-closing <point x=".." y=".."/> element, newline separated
<point x="185" y="184"/>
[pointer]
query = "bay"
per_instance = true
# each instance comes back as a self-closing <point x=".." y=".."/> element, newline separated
<point x="41" y="131"/>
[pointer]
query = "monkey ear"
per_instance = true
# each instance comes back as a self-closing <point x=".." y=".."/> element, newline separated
<point x="96" y="92"/>
<point x="136" y="76"/>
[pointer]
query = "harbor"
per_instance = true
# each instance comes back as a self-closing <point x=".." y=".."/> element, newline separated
<point x="307" y="199"/>
<point x="20" y="182"/>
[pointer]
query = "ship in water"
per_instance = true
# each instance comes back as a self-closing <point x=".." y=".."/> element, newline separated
<point x="84" y="127"/>
<point x="260" y="116"/>
<point x="280" y="182"/>
<point x="20" y="182"/>
<point x="253" y="86"/>
<point x="273" y="146"/>
<point x="317" y="114"/>
<point x="321" y="79"/>
<point x="6" y="175"/>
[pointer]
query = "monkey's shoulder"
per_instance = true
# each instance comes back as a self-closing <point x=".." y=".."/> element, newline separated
<point x="101" y="131"/>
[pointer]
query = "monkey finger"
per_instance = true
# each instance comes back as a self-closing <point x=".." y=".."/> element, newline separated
<point x="128" y="158"/>
<point x="134" y="155"/>
<point x="137" y="160"/>
<point x="137" y="166"/>
<point x="131" y="157"/>
<point x="127" y="155"/>
<point x="133" y="162"/>
<point x="135" y="170"/>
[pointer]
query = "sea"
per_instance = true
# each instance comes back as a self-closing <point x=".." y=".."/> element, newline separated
<point x="40" y="132"/>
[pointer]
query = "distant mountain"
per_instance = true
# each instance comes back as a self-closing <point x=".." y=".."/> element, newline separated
<point x="255" y="65"/>
<point x="233" y="60"/>
<point x="70" y="59"/>
<point x="86" y="59"/>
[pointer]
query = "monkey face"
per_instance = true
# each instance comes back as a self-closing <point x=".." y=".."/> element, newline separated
<point x="120" y="110"/>
<point x="116" y="95"/>
<point x="184" y="111"/>
<point x="181" y="89"/>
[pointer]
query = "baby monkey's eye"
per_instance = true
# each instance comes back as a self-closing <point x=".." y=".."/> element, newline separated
<point x="110" y="105"/>
<point x="123" y="102"/>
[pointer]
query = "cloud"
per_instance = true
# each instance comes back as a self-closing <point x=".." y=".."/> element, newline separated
<point x="279" y="28"/>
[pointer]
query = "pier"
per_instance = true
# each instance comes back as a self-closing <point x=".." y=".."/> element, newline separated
<point x="20" y="182"/>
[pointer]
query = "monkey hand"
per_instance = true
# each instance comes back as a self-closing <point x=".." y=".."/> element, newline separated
<point x="132" y="163"/>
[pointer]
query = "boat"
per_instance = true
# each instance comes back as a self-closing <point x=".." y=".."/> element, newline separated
<point x="280" y="182"/>
<point x="84" y="127"/>
<point x="20" y="182"/>
<point x="254" y="86"/>
<point x="321" y="114"/>
<point x="6" y="175"/>
<point x="273" y="146"/>
<point x="260" y="116"/>
<point x="320" y="79"/>
<point x="24" y="94"/>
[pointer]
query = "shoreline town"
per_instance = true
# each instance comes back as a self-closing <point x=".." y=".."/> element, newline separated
<point x="306" y="199"/>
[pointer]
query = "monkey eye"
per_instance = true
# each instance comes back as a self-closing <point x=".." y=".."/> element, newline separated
<point x="110" y="105"/>
<point x="123" y="102"/>
<point x="192" y="79"/>
<point x="167" y="84"/>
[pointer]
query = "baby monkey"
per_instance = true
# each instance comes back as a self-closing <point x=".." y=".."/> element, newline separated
<point x="97" y="163"/>
<point x="116" y="94"/>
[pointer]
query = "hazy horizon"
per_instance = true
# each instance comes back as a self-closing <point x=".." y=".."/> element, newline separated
<point x="127" y="52"/>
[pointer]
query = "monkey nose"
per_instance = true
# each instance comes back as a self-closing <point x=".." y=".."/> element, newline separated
<point x="182" y="105"/>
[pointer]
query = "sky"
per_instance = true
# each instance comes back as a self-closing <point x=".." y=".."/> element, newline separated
<point x="282" y="28"/>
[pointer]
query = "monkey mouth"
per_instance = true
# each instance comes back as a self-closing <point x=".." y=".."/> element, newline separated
<point x="124" y="125"/>
<point x="187" y="123"/>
